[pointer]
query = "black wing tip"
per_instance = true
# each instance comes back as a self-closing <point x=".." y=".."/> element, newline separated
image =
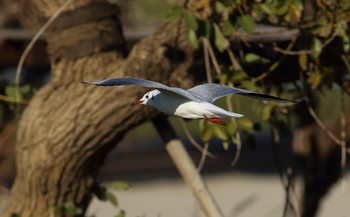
<point x="294" y="101"/>
<point x="291" y="101"/>
<point x="298" y="100"/>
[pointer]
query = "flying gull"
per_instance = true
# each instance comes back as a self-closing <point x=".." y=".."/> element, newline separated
<point x="193" y="103"/>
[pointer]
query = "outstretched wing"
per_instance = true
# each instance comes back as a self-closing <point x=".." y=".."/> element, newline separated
<point x="146" y="83"/>
<point x="212" y="92"/>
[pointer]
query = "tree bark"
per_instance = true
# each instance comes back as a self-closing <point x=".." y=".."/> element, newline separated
<point x="68" y="128"/>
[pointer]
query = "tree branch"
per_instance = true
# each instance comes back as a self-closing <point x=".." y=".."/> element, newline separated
<point x="186" y="167"/>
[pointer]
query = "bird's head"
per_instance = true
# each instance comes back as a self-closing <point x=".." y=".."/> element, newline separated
<point x="148" y="98"/>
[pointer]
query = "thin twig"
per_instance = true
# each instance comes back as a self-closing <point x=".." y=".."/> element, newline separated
<point x="203" y="157"/>
<point x="238" y="136"/>
<point x="299" y="52"/>
<point x="212" y="56"/>
<point x="206" y="61"/>
<point x="285" y="182"/>
<point x="274" y="65"/>
<point x="343" y="132"/>
<point x="238" y="150"/>
<point x="233" y="60"/>
<point x="13" y="100"/>
<point x="320" y="123"/>
<point x="316" y="118"/>
<point x="236" y="66"/>
<point x="294" y="201"/>
<point x="33" y="41"/>
<point x="193" y="141"/>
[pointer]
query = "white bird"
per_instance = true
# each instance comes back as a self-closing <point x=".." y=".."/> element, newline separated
<point x="193" y="103"/>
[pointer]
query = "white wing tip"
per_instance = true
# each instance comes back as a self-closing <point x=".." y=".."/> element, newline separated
<point x="90" y="83"/>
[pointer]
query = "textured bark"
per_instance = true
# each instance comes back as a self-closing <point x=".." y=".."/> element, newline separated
<point x="7" y="159"/>
<point x="68" y="128"/>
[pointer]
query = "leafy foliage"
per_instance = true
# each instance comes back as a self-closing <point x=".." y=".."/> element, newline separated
<point x="322" y="34"/>
<point x="103" y="194"/>
<point x="69" y="208"/>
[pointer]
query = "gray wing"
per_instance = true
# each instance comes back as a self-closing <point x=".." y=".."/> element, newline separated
<point x="212" y="92"/>
<point x="146" y="83"/>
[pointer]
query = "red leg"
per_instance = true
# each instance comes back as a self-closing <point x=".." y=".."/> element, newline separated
<point x="215" y="120"/>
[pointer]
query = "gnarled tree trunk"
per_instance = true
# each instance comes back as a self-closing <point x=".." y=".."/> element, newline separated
<point x="68" y="128"/>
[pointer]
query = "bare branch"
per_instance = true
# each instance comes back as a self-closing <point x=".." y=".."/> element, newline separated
<point x="238" y="151"/>
<point x="299" y="52"/>
<point x="212" y="56"/>
<point x="186" y="167"/>
<point x="343" y="132"/>
<point x="206" y="60"/>
<point x="320" y="123"/>
<point x="233" y="60"/>
<point x="13" y="100"/>
<point x="203" y="157"/>
<point x="33" y="41"/>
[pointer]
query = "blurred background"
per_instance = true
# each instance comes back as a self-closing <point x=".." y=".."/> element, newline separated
<point x="256" y="185"/>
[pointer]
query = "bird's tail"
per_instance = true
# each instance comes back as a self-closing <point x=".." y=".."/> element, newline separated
<point x="223" y="113"/>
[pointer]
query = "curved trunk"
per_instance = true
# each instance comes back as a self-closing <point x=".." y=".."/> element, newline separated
<point x="68" y="128"/>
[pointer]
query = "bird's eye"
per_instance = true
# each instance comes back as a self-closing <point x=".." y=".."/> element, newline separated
<point x="146" y="96"/>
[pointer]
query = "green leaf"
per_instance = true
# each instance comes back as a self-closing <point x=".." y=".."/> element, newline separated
<point x="220" y="132"/>
<point x="220" y="7"/>
<point x="174" y="12"/>
<point x="314" y="79"/>
<point x="112" y="198"/>
<point x="103" y="194"/>
<point x="238" y="76"/>
<point x="227" y="28"/>
<point x="120" y="185"/>
<point x="223" y="78"/>
<point x="100" y="192"/>
<point x="303" y="61"/>
<point x="266" y="112"/>
<point x="11" y="92"/>
<point x="25" y="89"/>
<point x="231" y="126"/>
<point x="245" y="124"/>
<point x="191" y="21"/>
<point x="316" y="47"/>
<point x="234" y="138"/>
<point x="221" y="42"/>
<point x="265" y="8"/>
<point x="284" y="8"/>
<point x="252" y="58"/>
<point x="207" y="132"/>
<point x="202" y="125"/>
<point x="247" y="23"/>
<point x="225" y="145"/>
<point x="248" y="84"/>
<point x="70" y="208"/>
<point x="121" y="214"/>
<point x="342" y="33"/>
<point x="192" y="38"/>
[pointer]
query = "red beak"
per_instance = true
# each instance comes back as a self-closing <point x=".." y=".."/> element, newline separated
<point x="137" y="102"/>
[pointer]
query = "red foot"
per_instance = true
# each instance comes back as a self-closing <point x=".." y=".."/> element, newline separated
<point x="215" y="120"/>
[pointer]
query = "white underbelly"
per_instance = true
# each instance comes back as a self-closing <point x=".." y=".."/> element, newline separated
<point x="182" y="107"/>
<point x="193" y="110"/>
